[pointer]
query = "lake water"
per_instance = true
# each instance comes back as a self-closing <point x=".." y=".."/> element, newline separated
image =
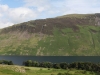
<point x="18" y="60"/>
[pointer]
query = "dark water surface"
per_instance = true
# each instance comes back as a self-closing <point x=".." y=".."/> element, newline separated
<point x="18" y="60"/>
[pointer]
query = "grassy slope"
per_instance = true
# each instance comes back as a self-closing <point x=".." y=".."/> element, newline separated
<point x="75" y="15"/>
<point x="18" y="70"/>
<point x="85" y="41"/>
<point x="67" y="35"/>
<point x="17" y="44"/>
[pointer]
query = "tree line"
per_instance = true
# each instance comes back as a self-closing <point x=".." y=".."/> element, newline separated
<point x="6" y="62"/>
<point x="89" y="66"/>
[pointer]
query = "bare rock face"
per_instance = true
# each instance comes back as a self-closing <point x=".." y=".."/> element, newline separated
<point x="97" y="21"/>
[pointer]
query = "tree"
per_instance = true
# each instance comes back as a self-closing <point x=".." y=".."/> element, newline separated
<point x="64" y="65"/>
<point x="28" y="63"/>
<point x="57" y="66"/>
<point x="35" y="64"/>
<point x="10" y="63"/>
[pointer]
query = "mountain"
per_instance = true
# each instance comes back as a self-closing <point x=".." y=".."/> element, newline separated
<point x="67" y="35"/>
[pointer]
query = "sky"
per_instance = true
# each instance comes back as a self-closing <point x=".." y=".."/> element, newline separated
<point x="18" y="11"/>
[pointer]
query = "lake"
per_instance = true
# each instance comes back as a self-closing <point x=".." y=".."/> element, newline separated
<point x="18" y="60"/>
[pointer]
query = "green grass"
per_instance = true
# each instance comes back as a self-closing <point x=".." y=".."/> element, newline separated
<point x="7" y="70"/>
<point x="68" y="42"/>
<point x="11" y="70"/>
<point x="63" y="42"/>
<point x="76" y="15"/>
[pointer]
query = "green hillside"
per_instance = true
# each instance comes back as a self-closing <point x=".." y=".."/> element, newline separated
<point x="69" y="35"/>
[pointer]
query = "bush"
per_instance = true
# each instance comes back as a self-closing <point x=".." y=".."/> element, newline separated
<point x="67" y="74"/>
<point x="85" y="72"/>
<point x="92" y="72"/>
<point x="60" y="74"/>
<point x="40" y="68"/>
<point x="27" y="69"/>
<point x="64" y="74"/>
<point x="48" y="68"/>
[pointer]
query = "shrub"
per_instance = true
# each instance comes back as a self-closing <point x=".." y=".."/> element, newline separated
<point x="27" y="69"/>
<point x="40" y="68"/>
<point x="64" y="74"/>
<point x="48" y="68"/>
<point x="60" y="74"/>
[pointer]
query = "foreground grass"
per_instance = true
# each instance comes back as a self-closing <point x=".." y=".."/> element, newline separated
<point x="11" y="70"/>
<point x="20" y="70"/>
<point x="45" y="71"/>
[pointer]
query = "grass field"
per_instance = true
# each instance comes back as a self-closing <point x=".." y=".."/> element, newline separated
<point x="20" y="70"/>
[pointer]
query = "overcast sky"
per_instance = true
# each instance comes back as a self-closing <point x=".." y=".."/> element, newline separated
<point x="17" y="11"/>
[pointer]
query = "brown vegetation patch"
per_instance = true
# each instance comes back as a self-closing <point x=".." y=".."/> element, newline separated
<point x="46" y="26"/>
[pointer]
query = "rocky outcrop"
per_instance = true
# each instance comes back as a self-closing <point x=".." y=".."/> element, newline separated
<point x="97" y="21"/>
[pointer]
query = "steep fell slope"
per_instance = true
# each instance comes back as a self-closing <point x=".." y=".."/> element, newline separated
<point x="68" y="35"/>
